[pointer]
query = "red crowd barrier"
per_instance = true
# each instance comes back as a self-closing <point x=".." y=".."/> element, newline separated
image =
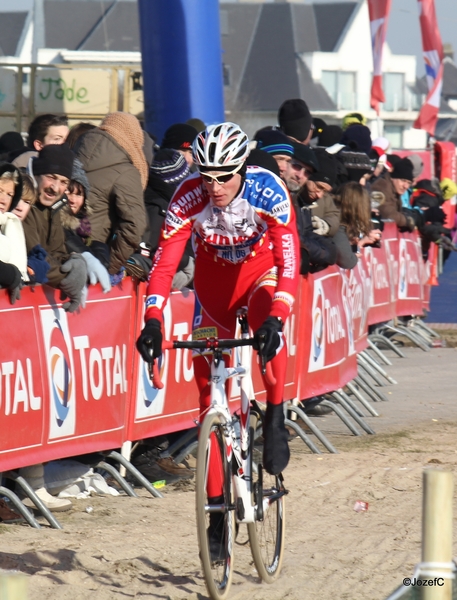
<point x="74" y="383"/>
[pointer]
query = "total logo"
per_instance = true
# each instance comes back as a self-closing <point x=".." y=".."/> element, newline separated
<point x="60" y="367"/>
<point x="318" y="341"/>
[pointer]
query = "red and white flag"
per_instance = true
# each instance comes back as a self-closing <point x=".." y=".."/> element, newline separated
<point x="379" y="13"/>
<point x="432" y="48"/>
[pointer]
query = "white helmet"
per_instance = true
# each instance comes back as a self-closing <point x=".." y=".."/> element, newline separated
<point x="221" y="145"/>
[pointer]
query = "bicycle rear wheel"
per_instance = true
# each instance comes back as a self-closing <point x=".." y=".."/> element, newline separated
<point x="266" y="535"/>
<point x="217" y="562"/>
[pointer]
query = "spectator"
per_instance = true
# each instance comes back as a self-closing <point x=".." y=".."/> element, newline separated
<point x="295" y="120"/>
<point x="28" y="197"/>
<point x="11" y="142"/>
<point x="52" y="170"/>
<point x="13" y="256"/>
<point x="180" y="137"/>
<point x="168" y="170"/>
<point x="43" y="130"/>
<point x="260" y="158"/>
<point x="75" y="218"/>
<point x="354" y="203"/>
<point x="393" y="186"/>
<point x="113" y="158"/>
<point x="353" y="118"/>
<point x="357" y="138"/>
<point x="303" y="164"/>
<point x="277" y="144"/>
<point x="317" y="191"/>
<point x="77" y="131"/>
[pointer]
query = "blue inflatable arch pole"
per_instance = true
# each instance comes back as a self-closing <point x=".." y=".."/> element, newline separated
<point x="182" y="62"/>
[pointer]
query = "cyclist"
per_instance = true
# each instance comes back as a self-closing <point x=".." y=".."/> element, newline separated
<point x="246" y="254"/>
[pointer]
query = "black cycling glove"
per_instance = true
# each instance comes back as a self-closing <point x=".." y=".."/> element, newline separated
<point x="267" y="338"/>
<point x="150" y="340"/>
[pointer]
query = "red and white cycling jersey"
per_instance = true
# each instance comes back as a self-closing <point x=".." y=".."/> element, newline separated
<point x="259" y="220"/>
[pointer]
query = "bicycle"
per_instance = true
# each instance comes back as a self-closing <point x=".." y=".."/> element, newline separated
<point x="248" y="496"/>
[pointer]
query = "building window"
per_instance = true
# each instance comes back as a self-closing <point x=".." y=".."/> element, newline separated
<point x="341" y="87"/>
<point x="394" y="91"/>
<point x="226" y="74"/>
<point x="394" y="133"/>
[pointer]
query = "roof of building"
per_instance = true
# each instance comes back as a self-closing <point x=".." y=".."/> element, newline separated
<point x="11" y="27"/>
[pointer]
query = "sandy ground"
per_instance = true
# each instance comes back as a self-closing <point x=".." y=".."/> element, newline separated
<point x="147" y="548"/>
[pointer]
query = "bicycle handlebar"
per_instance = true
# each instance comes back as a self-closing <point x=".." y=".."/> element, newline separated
<point x="207" y="344"/>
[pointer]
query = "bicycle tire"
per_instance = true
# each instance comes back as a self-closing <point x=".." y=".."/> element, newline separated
<point x="266" y="536"/>
<point x="218" y="575"/>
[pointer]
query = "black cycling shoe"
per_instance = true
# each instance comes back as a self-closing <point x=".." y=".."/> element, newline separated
<point x="276" y="451"/>
<point x="216" y="531"/>
<point x="313" y="407"/>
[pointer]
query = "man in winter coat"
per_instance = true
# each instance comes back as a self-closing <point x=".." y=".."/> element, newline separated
<point x="52" y="171"/>
<point x="113" y="158"/>
<point x="393" y="185"/>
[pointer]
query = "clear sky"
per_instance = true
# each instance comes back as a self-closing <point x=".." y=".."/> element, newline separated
<point x="403" y="35"/>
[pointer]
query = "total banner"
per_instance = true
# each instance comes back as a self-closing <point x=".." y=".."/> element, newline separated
<point x="65" y="380"/>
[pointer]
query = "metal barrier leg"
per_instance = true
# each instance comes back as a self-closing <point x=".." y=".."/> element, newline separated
<point x="379" y="394"/>
<point x="353" y="413"/>
<point x="185" y="451"/>
<point x="378" y="352"/>
<point x="182" y="441"/>
<point x="30" y="492"/>
<point x="317" y="432"/>
<point x="125" y="485"/>
<point x="135" y="473"/>
<point x="23" y="510"/>
<point x="382" y="339"/>
<point x="299" y="431"/>
<point x="366" y="388"/>
<point x="419" y="323"/>
<point x="401" y="330"/>
<point x="351" y="403"/>
<point x="352" y="387"/>
<point x="370" y="371"/>
<point x="377" y="367"/>
<point x="342" y="416"/>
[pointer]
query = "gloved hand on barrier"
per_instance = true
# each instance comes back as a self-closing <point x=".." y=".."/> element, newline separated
<point x="320" y="226"/>
<point x="73" y="284"/>
<point x="15" y="287"/>
<point x="97" y="272"/>
<point x="149" y="344"/>
<point x="267" y="338"/>
<point x="38" y="265"/>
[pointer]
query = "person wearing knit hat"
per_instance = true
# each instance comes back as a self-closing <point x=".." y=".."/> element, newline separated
<point x="330" y="136"/>
<point x="11" y="142"/>
<point x="180" y="136"/>
<point x="168" y="170"/>
<point x="52" y="171"/>
<point x="115" y="164"/>
<point x="448" y="188"/>
<point x="354" y="118"/>
<point x="317" y="193"/>
<point x="303" y="164"/>
<point x="392" y="186"/>
<point x="170" y="166"/>
<point x="260" y="158"/>
<point x="277" y="144"/>
<point x="295" y="120"/>
<point x="318" y="127"/>
<point x="357" y="137"/>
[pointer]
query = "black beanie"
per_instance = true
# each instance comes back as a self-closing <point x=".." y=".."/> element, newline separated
<point x="328" y="168"/>
<point x="331" y="135"/>
<point x="274" y="141"/>
<point x="9" y="168"/>
<point x="10" y="141"/>
<point x="260" y="158"/>
<point x="170" y="166"/>
<point x="305" y="155"/>
<point x="295" y="119"/>
<point x="319" y="126"/>
<point x="54" y="159"/>
<point x="403" y="169"/>
<point x="358" y="138"/>
<point x="179" y="136"/>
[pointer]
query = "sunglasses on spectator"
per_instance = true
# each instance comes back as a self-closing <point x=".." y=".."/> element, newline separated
<point x="299" y="167"/>
<point x="219" y="179"/>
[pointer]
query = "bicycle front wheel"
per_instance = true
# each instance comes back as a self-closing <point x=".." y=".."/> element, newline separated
<point x="215" y="523"/>
<point x="266" y="535"/>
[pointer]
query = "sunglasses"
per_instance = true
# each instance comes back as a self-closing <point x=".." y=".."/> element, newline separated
<point x="298" y="167"/>
<point x="219" y="179"/>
